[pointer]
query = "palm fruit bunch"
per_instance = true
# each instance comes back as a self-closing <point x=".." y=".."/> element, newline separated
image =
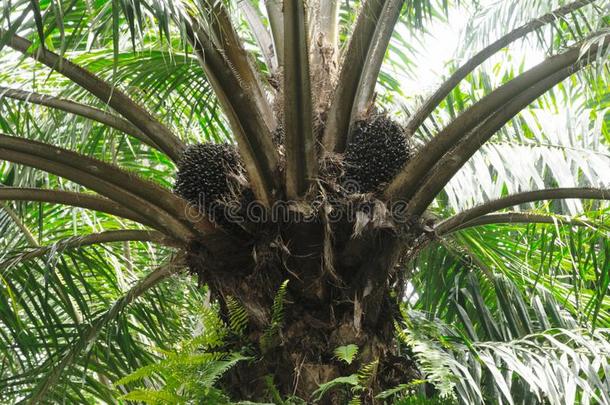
<point x="377" y="150"/>
<point x="206" y="176"/>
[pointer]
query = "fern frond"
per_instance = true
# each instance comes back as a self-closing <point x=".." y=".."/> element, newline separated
<point x="188" y="373"/>
<point x="214" y="330"/>
<point x="277" y="311"/>
<point x="351" y="380"/>
<point x="355" y="401"/>
<point x="401" y="389"/>
<point x="139" y="374"/>
<point x="238" y="317"/>
<point x="214" y="370"/>
<point x="153" y="397"/>
<point x="277" y="317"/>
<point x="367" y="373"/>
<point x="438" y="366"/>
<point x="346" y="353"/>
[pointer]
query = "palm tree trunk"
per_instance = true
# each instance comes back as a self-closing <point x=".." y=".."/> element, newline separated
<point x="323" y="310"/>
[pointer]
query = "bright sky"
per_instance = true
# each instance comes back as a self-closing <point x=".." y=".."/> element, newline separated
<point x="443" y="45"/>
<point x="439" y="48"/>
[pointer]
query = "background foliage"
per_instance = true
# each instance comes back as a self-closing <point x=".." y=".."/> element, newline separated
<point x="496" y="314"/>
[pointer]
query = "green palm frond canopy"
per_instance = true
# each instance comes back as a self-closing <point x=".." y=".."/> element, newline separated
<point x="211" y="201"/>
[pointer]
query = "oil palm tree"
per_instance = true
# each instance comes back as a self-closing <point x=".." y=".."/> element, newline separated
<point x="346" y="214"/>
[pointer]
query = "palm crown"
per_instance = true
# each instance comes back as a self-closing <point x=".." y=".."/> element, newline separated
<point x="387" y="224"/>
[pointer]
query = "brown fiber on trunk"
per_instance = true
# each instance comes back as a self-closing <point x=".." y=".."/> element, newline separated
<point x="324" y="308"/>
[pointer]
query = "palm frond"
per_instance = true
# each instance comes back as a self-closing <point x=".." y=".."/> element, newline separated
<point x="301" y="161"/>
<point x="550" y="366"/>
<point x="339" y="115"/>
<point x="106" y="93"/>
<point x="444" y="90"/>
<point x="544" y="77"/>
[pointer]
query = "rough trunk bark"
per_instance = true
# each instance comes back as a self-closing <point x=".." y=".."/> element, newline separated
<point x="352" y="303"/>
